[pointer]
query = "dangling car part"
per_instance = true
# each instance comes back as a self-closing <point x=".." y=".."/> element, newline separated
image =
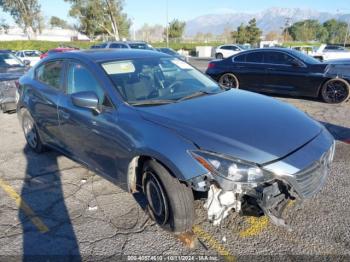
<point x="267" y="190"/>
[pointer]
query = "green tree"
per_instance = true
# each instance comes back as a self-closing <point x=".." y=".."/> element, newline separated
<point x="322" y="35"/>
<point x="176" y="29"/>
<point x="101" y="16"/>
<point x="307" y="30"/>
<point x="336" y="31"/>
<point x="241" y="35"/>
<point x="4" y="25"/>
<point x="253" y="32"/>
<point x="26" y="14"/>
<point x="58" y="22"/>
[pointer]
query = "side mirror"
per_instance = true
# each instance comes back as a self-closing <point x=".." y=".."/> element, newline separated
<point x="26" y="62"/>
<point x="87" y="100"/>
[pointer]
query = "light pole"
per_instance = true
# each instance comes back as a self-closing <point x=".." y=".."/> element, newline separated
<point x="167" y="23"/>
<point x="347" y="33"/>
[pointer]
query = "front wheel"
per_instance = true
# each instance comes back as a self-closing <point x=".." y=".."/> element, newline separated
<point x="335" y="91"/>
<point x="170" y="203"/>
<point x="229" y="80"/>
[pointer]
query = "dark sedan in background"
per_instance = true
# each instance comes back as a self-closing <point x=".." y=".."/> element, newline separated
<point x="11" y="69"/>
<point x="283" y="71"/>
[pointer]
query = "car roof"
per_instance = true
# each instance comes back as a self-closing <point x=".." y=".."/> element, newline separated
<point x="280" y="49"/>
<point x="100" y="55"/>
<point x="5" y="51"/>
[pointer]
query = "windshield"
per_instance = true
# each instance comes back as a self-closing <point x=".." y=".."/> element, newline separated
<point x="158" y="79"/>
<point x="9" y="60"/>
<point x="243" y="47"/>
<point x="306" y="58"/>
<point x="168" y="51"/>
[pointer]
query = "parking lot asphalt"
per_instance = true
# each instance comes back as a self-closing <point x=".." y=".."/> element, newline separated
<point x="50" y="205"/>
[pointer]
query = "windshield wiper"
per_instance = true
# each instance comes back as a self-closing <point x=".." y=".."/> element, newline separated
<point x="151" y="102"/>
<point x="196" y="94"/>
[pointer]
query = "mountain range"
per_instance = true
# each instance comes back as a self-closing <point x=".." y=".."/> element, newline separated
<point x="272" y="19"/>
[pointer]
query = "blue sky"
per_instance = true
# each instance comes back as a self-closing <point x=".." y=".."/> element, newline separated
<point x="154" y="11"/>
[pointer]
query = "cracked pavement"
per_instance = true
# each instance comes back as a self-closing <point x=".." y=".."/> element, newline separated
<point x="92" y="219"/>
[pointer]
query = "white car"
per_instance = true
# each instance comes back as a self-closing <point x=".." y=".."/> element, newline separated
<point x="30" y="55"/>
<point x="331" y="52"/>
<point x="228" y="50"/>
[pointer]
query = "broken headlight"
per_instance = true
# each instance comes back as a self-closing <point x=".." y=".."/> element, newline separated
<point x="235" y="170"/>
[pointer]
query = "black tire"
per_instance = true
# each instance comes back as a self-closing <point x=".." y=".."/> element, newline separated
<point x="170" y="203"/>
<point x="335" y="91"/>
<point x="229" y="80"/>
<point x="31" y="133"/>
<point x="219" y="56"/>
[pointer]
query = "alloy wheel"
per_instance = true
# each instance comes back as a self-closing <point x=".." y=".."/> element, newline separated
<point x="336" y="91"/>
<point x="229" y="80"/>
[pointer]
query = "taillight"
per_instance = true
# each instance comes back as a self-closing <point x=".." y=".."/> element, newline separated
<point x="211" y="65"/>
<point x="17" y="84"/>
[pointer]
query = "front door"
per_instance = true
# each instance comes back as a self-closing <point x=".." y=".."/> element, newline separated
<point x="89" y="136"/>
<point x="284" y="75"/>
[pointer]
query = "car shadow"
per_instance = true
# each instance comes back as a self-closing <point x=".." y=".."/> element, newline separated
<point x="46" y="225"/>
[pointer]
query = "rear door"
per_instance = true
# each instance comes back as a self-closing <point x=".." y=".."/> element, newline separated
<point x="44" y="99"/>
<point x="89" y="136"/>
<point x="250" y="70"/>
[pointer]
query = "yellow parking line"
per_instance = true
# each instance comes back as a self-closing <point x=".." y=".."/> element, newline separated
<point x="257" y="225"/>
<point x="213" y="243"/>
<point x="23" y="205"/>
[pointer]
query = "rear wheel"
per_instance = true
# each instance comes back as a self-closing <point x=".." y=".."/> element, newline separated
<point x="219" y="56"/>
<point x="31" y="133"/>
<point x="229" y="80"/>
<point x="335" y="91"/>
<point x="170" y="203"/>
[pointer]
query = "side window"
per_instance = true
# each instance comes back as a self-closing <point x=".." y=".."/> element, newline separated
<point x="225" y="47"/>
<point x="255" y="57"/>
<point x="79" y="79"/>
<point x="240" y="58"/>
<point x="50" y="74"/>
<point x="278" y="58"/>
<point x="234" y="48"/>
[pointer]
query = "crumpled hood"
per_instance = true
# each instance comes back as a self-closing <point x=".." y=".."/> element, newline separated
<point x="241" y="124"/>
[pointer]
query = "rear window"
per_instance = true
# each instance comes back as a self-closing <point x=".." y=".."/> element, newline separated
<point x="255" y="57"/>
<point x="240" y="58"/>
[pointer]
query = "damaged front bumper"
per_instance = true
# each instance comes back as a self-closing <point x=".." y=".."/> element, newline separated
<point x="296" y="177"/>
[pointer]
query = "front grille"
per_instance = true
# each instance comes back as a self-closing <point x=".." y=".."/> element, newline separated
<point x="311" y="180"/>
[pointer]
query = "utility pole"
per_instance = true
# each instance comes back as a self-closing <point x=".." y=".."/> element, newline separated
<point x="167" y="23"/>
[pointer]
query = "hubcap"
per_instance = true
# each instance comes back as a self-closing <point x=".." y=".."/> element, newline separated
<point x="228" y="81"/>
<point x="156" y="199"/>
<point x="30" y="132"/>
<point x="336" y="91"/>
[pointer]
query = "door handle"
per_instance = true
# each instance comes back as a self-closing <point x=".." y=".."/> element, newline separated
<point x="65" y="115"/>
